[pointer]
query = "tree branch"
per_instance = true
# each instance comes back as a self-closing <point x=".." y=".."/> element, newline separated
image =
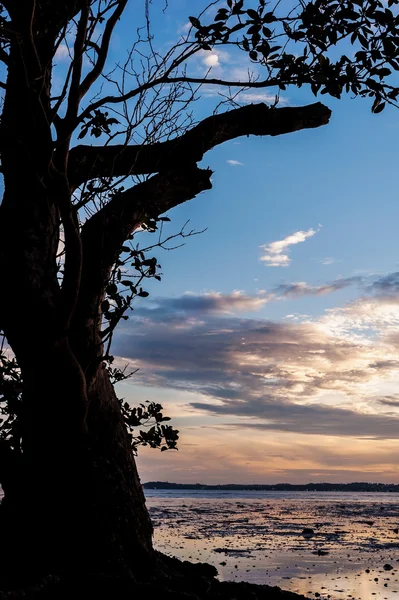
<point x="178" y="180"/>
<point x="127" y="210"/>
<point x="172" y="80"/>
<point x="78" y="54"/>
<point x="12" y="8"/>
<point x="103" y="50"/>
<point x="67" y="299"/>
<point x="4" y="57"/>
<point x="104" y="233"/>
<point x="89" y="162"/>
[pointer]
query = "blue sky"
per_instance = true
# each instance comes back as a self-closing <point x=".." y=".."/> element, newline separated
<point x="276" y="373"/>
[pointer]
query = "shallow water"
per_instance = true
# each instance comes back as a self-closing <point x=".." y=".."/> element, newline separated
<point x="261" y="537"/>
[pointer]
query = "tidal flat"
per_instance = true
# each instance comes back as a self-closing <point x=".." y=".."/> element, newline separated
<point x="321" y="545"/>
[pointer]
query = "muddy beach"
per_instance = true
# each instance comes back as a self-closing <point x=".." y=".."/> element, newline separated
<point x="320" y="545"/>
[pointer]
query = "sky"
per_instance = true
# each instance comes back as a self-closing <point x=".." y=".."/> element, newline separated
<point x="273" y="338"/>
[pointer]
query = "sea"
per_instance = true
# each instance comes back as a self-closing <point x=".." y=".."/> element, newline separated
<point x="333" y="545"/>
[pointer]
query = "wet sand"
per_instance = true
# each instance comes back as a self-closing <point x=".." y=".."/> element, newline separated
<point x="345" y="548"/>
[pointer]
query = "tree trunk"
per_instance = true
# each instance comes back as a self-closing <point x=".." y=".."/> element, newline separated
<point x="76" y="507"/>
<point x="73" y="499"/>
<point x="119" y="488"/>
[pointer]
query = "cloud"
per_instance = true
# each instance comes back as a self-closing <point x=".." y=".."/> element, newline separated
<point x="390" y="401"/>
<point x="207" y="303"/>
<point x="234" y="163"/>
<point x="211" y="60"/>
<point x="62" y="53"/>
<point x="311" y="419"/>
<point x="213" y="455"/>
<point x="184" y="29"/>
<point x="368" y="320"/>
<point x="329" y="260"/>
<point x="216" y="303"/>
<point x="276" y="253"/>
<point x="215" y="59"/>
<point x="250" y="97"/>
<point x="318" y="377"/>
<point x="231" y="67"/>
<point x="301" y="288"/>
<point x="353" y="316"/>
<point x="386" y="285"/>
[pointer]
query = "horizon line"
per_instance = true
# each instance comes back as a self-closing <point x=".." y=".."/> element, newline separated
<point x="273" y="484"/>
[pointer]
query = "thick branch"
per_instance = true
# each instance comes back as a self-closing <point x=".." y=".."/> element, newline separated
<point x="67" y="299"/>
<point x="111" y="225"/>
<point x="50" y="16"/>
<point x="89" y="162"/>
<point x="103" y="235"/>
<point x="59" y="14"/>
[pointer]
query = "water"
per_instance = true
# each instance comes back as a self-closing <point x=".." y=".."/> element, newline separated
<point x="389" y="498"/>
<point x="261" y="537"/>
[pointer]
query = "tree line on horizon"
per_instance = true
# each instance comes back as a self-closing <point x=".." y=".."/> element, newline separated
<point x="290" y="487"/>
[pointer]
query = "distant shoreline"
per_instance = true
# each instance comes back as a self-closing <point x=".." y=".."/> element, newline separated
<point x="279" y="487"/>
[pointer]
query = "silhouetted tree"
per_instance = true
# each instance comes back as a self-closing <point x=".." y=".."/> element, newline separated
<point x="69" y="269"/>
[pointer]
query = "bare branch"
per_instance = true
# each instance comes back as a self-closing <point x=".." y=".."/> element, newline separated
<point x="78" y="53"/>
<point x="103" y="49"/>
<point x="172" y="80"/>
<point x="126" y="211"/>
<point x="90" y="162"/>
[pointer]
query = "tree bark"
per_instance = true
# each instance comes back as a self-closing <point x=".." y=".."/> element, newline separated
<point x="73" y="499"/>
<point x="76" y="506"/>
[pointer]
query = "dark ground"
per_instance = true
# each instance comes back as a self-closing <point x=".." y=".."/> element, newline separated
<point x="175" y="580"/>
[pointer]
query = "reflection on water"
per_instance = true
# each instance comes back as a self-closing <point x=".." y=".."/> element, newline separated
<point x="320" y="545"/>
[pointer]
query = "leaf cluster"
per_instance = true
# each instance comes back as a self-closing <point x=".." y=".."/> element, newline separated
<point x="149" y="415"/>
<point x="10" y="398"/>
<point x="298" y="47"/>
<point x="133" y="266"/>
<point x="97" y="124"/>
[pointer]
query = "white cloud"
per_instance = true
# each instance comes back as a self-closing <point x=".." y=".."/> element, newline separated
<point x="276" y="253"/>
<point x="249" y="97"/>
<point x="212" y="60"/>
<point x="62" y="53"/>
<point x="184" y="29"/>
<point x="365" y="321"/>
<point x="232" y="67"/>
<point x="234" y="163"/>
<point x="329" y="260"/>
<point x="243" y="72"/>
